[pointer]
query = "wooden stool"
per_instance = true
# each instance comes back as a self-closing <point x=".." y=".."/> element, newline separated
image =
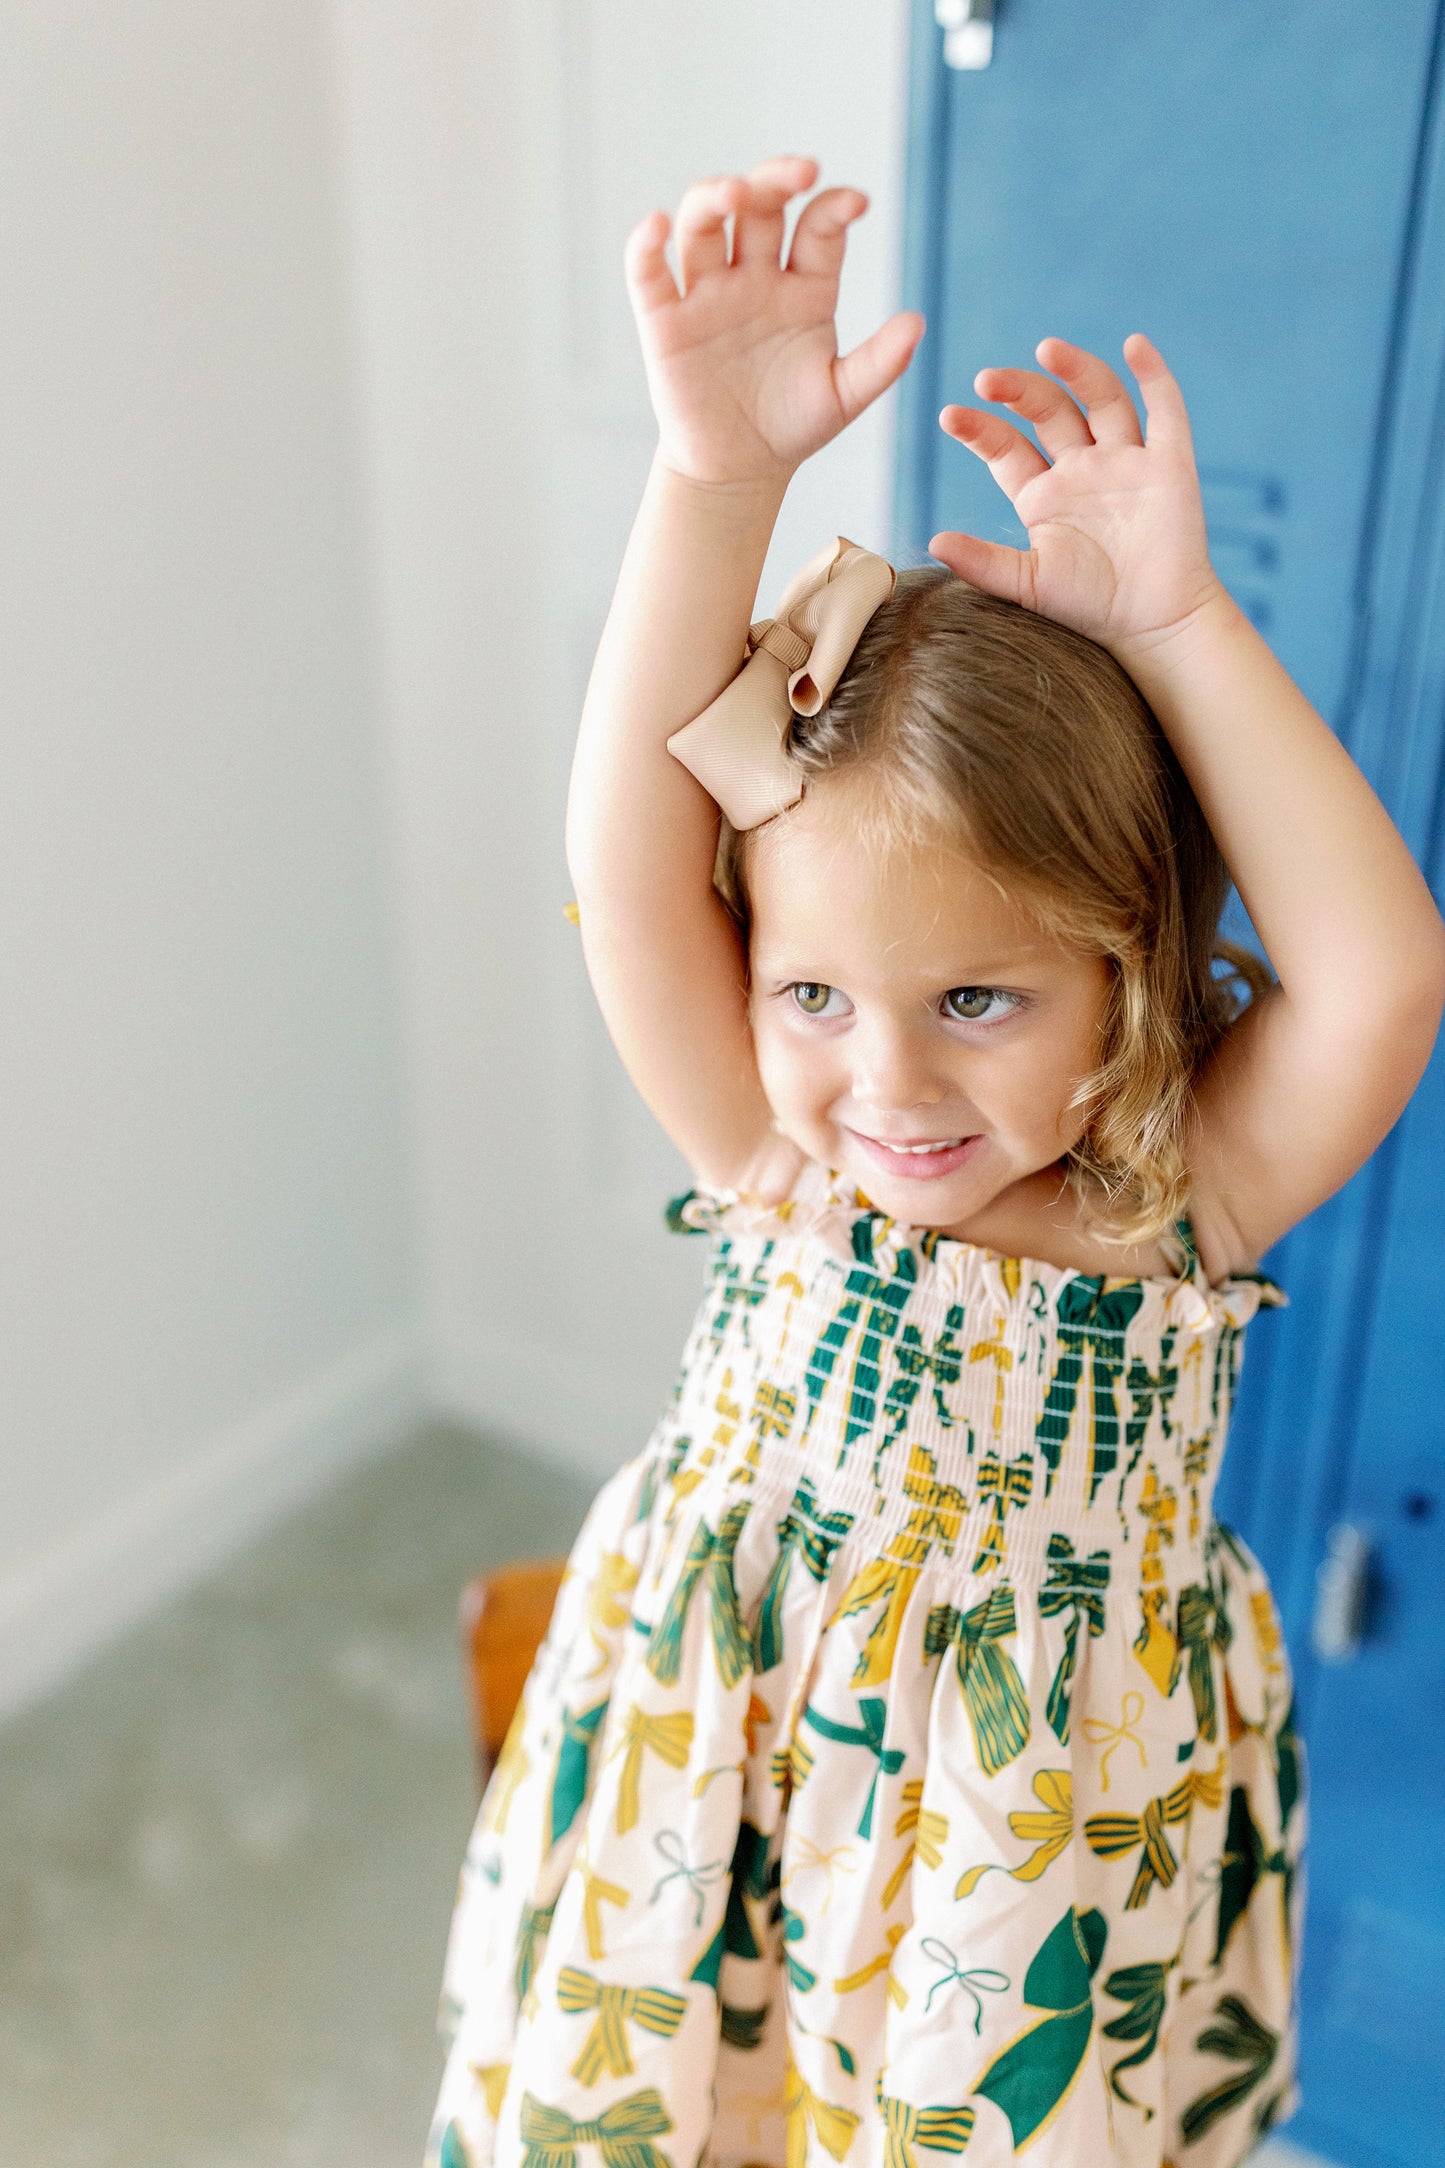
<point x="504" y="1616"/>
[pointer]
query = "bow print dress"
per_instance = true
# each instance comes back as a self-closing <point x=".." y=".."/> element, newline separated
<point x="909" y="1770"/>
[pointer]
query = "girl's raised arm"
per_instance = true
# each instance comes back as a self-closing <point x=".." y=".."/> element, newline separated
<point x="746" y="382"/>
<point x="1304" y="1087"/>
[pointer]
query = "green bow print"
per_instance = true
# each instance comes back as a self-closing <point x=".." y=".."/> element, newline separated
<point x="532" y="1932"/>
<point x="873" y="1305"/>
<point x="1144" y="1989"/>
<point x="1242" y="2038"/>
<point x="811" y="1536"/>
<point x="993" y="1692"/>
<point x="1032" y="2077"/>
<point x="867" y="1732"/>
<point x="1199" y="1628"/>
<point x="621" y="2133"/>
<point x="733" y="1292"/>
<point x="1093" y="1316"/>
<point x="1075" y="1585"/>
<point x="574" y="1761"/>
<point x="709" y="1561"/>
<point x="913" y="1361"/>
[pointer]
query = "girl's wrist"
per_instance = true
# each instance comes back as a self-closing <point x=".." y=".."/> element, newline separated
<point x="745" y="496"/>
<point x="1154" y="656"/>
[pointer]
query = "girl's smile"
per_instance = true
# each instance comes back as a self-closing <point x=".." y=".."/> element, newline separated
<point x="916" y="1162"/>
<point x="915" y="1028"/>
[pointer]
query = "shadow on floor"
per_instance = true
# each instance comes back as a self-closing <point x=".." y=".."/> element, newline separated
<point x="230" y="1846"/>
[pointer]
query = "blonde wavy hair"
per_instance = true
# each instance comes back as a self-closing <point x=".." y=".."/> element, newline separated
<point x="981" y="723"/>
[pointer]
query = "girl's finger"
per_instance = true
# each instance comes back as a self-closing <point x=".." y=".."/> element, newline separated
<point x="820" y="237"/>
<point x="1057" y="421"/>
<point x="700" y="230"/>
<point x="1164" y="408"/>
<point x="1111" y="412"/>
<point x="644" y="260"/>
<point x="990" y="566"/>
<point x="878" y="362"/>
<point x="758" y="227"/>
<point x="1004" y="450"/>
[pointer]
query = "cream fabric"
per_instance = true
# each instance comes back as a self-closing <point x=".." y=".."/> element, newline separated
<point x="910" y="1768"/>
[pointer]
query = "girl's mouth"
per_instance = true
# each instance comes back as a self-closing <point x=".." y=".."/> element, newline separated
<point x="920" y="1159"/>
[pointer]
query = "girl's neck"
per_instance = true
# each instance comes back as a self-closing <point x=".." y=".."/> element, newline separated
<point x="1043" y="1217"/>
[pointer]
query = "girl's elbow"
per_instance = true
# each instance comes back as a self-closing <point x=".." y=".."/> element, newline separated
<point x="1428" y="1004"/>
<point x="1413" y="1022"/>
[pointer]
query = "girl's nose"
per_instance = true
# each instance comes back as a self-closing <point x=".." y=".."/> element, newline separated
<point x="892" y="1071"/>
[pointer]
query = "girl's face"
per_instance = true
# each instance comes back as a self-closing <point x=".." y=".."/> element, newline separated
<point x="915" y="1030"/>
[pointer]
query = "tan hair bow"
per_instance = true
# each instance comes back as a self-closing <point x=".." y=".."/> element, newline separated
<point x="737" y="748"/>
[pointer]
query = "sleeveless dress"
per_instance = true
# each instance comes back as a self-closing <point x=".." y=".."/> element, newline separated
<point x="909" y="1769"/>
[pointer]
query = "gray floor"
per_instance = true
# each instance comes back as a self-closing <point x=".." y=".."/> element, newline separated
<point x="229" y="1848"/>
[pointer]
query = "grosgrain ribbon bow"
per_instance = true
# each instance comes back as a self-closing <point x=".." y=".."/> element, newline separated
<point x="621" y="2132"/>
<point x="653" y="2008"/>
<point x="737" y="748"/>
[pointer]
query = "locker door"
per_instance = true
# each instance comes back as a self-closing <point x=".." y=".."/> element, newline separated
<point x="1254" y="188"/>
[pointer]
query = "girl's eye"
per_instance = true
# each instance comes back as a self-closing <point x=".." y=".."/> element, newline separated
<point x="812" y="998"/>
<point x="977" y="1004"/>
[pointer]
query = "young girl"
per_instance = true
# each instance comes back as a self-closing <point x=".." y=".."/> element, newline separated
<point x="909" y="1770"/>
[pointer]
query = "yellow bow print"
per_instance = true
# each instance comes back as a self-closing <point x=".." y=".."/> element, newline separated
<point x="492" y="2077"/>
<point x="512" y="1766"/>
<point x="993" y="1350"/>
<point x="605" y="2048"/>
<point x="929" y="1831"/>
<point x="938" y="2130"/>
<point x="1113" y="1836"/>
<point x="596" y="1892"/>
<point x="669" y="1737"/>
<point x="1000" y="1485"/>
<point x="809" y="1858"/>
<point x="834" y="2126"/>
<point x="615" y="1578"/>
<point x="1050" y="1832"/>
<point x="1097" y="1732"/>
<point x="897" y="1992"/>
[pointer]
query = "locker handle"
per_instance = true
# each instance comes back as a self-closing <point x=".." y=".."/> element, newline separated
<point x="1342" y="1587"/>
<point x="967" y="27"/>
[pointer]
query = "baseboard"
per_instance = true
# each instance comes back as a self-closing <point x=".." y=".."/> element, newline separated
<point x="81" y="1592"/>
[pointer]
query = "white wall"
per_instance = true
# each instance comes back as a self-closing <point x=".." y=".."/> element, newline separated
<point x="207" y="1291"/>
<point x="321" y="426"/>
<point x="497" y="156"/>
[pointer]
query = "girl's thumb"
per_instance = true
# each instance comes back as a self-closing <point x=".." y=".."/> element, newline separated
<point x="878" y="362"/>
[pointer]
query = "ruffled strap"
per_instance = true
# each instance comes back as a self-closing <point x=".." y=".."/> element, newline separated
<point x="694" y="1212"/>
<point x="707" y="1209"/>
<point x="1195" y="1301"/>
<point x="825" y="1204"/>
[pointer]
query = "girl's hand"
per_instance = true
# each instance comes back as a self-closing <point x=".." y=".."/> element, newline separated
<point x="1117" y="546"/>
<point x="743" y="365"/>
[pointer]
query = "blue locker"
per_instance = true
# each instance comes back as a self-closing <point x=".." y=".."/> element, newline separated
<point x="1262" y="190"/>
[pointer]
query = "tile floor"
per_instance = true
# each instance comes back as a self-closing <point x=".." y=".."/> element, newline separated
<point x="228" y="1849"/>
